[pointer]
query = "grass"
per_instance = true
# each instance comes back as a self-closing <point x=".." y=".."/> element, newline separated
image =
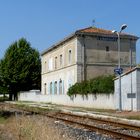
<point x="84" y="109"/>
<point x="56" y="106"/>
<point x="29" y="127"/>
<point x="2" y="120"/>
<point x="136" y="117"/>
<point x="33" y="127"/>
<point x="4" y="115"/>
<point x="36" y="108"/>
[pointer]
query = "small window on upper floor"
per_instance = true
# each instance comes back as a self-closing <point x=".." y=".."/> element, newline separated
<point x="55" y="63"/>
<point x="50" y="64"/>
<point x="45" y="88"/>
<point x="45" y="66"/>
<point x="70" y="57"/>
<point x="107" y="48"/>
<point x="61" y="60"/>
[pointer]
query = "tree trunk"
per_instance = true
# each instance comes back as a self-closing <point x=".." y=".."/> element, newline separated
<point x="15" y="96"/>
<point x="10" y="96"/>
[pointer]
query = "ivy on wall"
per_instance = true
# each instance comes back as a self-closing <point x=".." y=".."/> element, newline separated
<point x="101" y="84"/>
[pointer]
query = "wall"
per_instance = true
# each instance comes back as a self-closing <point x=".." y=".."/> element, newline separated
<point x="98" y="60"/>
<point x="98" y="70"/>
<point x="67" y="72"/>
<point x="99" y="101"/>
<point x="63" y="50"/>
<point x="138" y="89"/>
<point x="96" y="50"/>
<point x="32" y="95"/>
<point x="128" y="86"/>
<point x="67" y="76"/>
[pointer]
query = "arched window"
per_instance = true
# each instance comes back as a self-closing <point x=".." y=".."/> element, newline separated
<point x="51" y="88"/>
<point x="55" y="87"/>
<point x="45" y="88"/>
<point x="60" y="86"/>
<point x="61" y="60"/>
<point x="55" y="63"/>
<point x="70" y="57"/>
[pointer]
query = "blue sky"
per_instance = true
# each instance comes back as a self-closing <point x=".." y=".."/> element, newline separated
<point x="44" y="22"/>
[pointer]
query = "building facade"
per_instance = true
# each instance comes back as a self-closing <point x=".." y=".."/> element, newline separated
<point x="85" y="54"/>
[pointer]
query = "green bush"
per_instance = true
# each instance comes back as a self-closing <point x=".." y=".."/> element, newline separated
<point x="2" y="99"/>
<point x="101" y="84"/>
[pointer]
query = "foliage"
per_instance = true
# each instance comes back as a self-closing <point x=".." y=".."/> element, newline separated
<point x="2" y="99"/>
<point x="3" y="89"/>
<point x="101" y="84"/>
<point x="20" y="68"/>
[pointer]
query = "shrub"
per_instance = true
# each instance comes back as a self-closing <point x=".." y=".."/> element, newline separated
<point x="101" y="84"/>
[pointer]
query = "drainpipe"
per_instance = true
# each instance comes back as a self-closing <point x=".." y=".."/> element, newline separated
<point x="85" y="60"/>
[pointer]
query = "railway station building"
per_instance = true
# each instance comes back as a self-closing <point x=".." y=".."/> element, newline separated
<point x="85" y="54"/>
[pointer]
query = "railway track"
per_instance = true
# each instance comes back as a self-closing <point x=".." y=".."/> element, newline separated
<point x="111" y="128"/>
<point x="104" y="121"/>
<point x="102" y="126"/>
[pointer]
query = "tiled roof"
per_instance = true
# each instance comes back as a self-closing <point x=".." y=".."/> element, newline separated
<point x="102" y="31"/>
<point x="91" y="31"/>
<point x="95" y="30"/>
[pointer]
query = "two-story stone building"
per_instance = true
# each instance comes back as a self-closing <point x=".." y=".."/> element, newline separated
<point x="85" y="54"/>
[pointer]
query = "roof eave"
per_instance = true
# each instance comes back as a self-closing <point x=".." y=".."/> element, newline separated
<point x="59" y="43"/>
<point x="81" y="33"/>
<point x="105" y="34"/>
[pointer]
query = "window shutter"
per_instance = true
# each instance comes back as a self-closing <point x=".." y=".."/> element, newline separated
<point x="52" y="87"/>
<point x="62" y="86"/>
<point x="58" y="87"/>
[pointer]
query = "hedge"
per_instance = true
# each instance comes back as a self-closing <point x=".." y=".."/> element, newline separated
<point x="101" y="84"/>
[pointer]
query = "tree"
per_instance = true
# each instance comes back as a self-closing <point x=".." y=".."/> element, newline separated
<point x="20" y="68"/>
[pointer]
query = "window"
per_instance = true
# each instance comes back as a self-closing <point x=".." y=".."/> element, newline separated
<point x="107" y="48"/>
<point x="69" y="85"/>
<point x="45" y="67"/>
<point x="51" y="88"/>
<point x="50" y="64"/>
<point x="60" y="86"/>
<point x="70" y="81"/>
<point x="61" y="60"/>
<point x="55" y="63"/>
<point x="70" y="56"/>
<point x="45" y="85"/>
<point x="55" y="87"/>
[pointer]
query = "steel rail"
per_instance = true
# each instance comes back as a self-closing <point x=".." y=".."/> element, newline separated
<point x="99" y="129"/>
<point x="111" y="122"/>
